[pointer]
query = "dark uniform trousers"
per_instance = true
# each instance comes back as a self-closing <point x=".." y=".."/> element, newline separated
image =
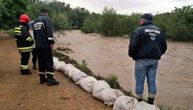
<point x="34" y="54"/>
<point x="24" y="60"/>
<point x="45" y="60"/>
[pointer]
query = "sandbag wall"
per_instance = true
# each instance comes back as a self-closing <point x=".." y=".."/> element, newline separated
<point x="100" y="89"/>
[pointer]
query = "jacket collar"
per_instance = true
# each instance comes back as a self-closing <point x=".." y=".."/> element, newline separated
<point x="146" y="22"/>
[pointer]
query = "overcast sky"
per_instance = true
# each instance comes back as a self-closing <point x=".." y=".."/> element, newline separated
<point x="129" y="6"/>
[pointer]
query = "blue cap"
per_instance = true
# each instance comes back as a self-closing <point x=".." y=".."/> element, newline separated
<point x="147" y="16"/>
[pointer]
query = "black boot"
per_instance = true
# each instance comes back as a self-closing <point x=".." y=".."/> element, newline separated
<point x="43" y="78"/>
<point x="25" y="72"/>
<point x="51" y="81"/>
<point x="151" y="100"/>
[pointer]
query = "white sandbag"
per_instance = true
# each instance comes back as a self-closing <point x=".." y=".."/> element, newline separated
<point x="108" y="95"/>
<point x="87" y="83"/>
<point x="62" y="66"/>
<point x="78" y="76"/>
<point x="67" y="68"/>
<point x="72" y="71"/>
<point x="125" y="103"/>
<point x="145" y="106"/>
<point x="58" y="65"/>
<point x="55" y="59"/>
<point x="100" y="85"/>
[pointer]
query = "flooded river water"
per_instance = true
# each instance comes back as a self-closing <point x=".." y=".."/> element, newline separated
<point x="108" y="55"/>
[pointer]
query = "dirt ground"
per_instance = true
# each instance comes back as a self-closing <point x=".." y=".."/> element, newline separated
<point x="19" y="92"/>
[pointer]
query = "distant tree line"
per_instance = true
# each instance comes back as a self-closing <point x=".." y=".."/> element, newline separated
<point x="62" y="15"/>
<point x="177" y="25"/>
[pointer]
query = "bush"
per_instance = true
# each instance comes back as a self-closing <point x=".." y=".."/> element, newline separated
<point x="113" y="81"/>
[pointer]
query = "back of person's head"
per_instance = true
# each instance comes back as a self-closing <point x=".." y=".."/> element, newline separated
<point x="147" y="16"/>
<point x="44" y="10"/>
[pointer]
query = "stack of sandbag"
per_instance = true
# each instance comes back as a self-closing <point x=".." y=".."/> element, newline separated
<point x="103" y="92"/>
<point x="67" y="68"/>
<point x="61" y="65"/>
<point x="87" y="83"/>
<point x="145" y="106"/>
<point x="99" y="86"/>
<point x="125" y="103"/>
<point x="55" y="59"/>
<point x="74" y="73"/>
<point x="101" y="89"/>
<point x="58" y="64"/>
<point x="62" y="68"/>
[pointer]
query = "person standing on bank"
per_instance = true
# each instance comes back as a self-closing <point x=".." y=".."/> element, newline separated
<point x="147" y="45"/>
<point x="43" y="35"/>
<point x="34" y="52"/>
<point x="24" y="43"/>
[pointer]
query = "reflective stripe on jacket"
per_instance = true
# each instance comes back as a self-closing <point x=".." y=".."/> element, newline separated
<point x="23" y="39"/>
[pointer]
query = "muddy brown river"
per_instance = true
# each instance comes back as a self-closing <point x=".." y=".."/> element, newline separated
<point x="108" y="55"/>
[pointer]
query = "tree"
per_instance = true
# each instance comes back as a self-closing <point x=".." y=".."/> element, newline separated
<point x="109" y="22"/>
<point x="77" y="17"/>
<point x="11" y="9"/>
<point x="92" y="24"/>
<point x="181" y="24"/>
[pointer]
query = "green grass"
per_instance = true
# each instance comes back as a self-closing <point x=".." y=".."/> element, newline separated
<point x="113" y="81"/>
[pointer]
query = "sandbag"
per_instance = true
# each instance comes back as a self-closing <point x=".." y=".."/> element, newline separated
<point x="62" y="65"/>
<point x="58" y="65"/>
<point x="78" y="75"/>
<point x="145" y="106"/>
<point x="125" y="103"/>
<point x="72" y="71"/>
<point x="99" y="85"/>
<point x="55" y="59"/>
<point x="87" y="83"/>
<point x="62" y="68"/>
<point x="67" y="68"/>
<point x="108" y="95"/>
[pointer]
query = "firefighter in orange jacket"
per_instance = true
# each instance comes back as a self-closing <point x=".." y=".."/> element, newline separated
<point x="24" y="43"/>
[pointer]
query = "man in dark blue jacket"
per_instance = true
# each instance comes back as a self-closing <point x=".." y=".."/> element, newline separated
<point x="147" y="45"/>
<point x="43" y="35"/>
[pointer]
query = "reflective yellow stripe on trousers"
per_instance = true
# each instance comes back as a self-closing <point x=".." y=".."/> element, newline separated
<point x="42" y="73"/>
<point x="25" y="48"/>
<point x="51" y="73"/>
<point x="24" y="67"/>
<point x="17" y="28"/>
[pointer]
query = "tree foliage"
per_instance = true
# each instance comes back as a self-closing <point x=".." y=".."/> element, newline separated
<point x="92" y="24"/>
<point x="176" y="25"/>
<point x="109" y="22"/>
<point x="10" y="11"/>
<point x="62" y="14"/>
